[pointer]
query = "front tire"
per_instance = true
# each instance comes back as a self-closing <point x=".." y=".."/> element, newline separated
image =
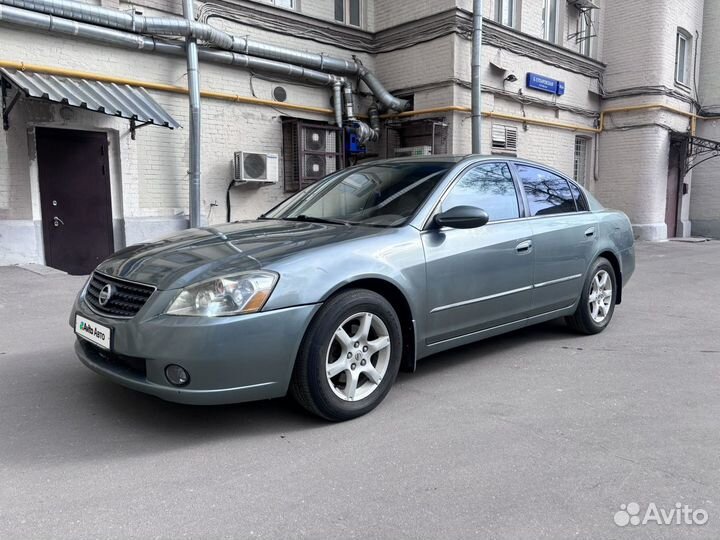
<point x="597" y="302"/>
<point x="350" y="356"/>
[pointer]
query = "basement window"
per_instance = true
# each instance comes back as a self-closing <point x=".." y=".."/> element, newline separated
<point x="504" y="140"/>
<point x="348" y="12"/>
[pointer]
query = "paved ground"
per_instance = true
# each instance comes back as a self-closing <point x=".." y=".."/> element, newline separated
<point x="538" y="434"/>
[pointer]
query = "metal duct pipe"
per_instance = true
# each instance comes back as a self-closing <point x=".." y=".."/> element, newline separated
<point x="195" y="126"/>
<point x="477" y="77"/>
<point x="180" y="27"/>
<point x="49" y="23"/>
<point x="349" y="105"/>
<point x="337" y="103"/>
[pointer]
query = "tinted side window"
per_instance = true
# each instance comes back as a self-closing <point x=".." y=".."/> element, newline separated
<point x="488" y="186"/>
<point x="580" y="200"/>
<point x="547" y="193"/>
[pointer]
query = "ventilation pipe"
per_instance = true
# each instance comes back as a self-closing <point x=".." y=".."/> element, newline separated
<point x="195" y="128"/>
<point x="126" y="40"/>
<point x="477" y="77"/>
<point x="174" y="26"/>
<point x="337" y="103"/>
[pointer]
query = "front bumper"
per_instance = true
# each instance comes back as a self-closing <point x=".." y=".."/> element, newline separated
<point x="230" y="359"/>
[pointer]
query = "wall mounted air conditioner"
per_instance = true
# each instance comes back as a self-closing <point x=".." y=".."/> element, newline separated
<point x="255" y="168"/>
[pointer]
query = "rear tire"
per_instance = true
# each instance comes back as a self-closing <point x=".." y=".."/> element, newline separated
<point x="597" y="302"/>
<point x="350" y="356"/>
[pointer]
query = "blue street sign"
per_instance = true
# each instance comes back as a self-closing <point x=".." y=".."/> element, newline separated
<point x="545" y="84"/>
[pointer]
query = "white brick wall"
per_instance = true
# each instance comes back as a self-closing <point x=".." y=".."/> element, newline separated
<point x="150" y="174"/>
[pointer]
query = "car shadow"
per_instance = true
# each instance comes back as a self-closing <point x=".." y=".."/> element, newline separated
<point x="62" y="411"/>
<point x="488" y="349"/>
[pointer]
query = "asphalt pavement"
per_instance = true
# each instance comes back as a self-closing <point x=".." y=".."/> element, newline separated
<point x="537" y="434"/>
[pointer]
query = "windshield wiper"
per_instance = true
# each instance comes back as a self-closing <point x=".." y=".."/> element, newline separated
<point x="312" y="219"/>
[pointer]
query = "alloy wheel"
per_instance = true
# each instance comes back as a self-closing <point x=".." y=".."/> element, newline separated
<point x="358" y="356"/>
<point x="601" y="296"/>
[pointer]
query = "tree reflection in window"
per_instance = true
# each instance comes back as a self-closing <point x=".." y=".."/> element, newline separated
<point x="547" y="193"/>
<point x="488" y="186"/>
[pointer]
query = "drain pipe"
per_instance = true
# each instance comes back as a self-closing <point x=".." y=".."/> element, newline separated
<point x="195" y="127"/>
<point x="175" y="26"/>
<point x="477" y="77"/>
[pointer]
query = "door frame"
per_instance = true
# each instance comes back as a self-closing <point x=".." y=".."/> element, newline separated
<point x="114" y="157"/>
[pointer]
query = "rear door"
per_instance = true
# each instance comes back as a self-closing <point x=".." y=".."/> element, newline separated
<point x="479" y="278"/>
<point x="563" y="236"/>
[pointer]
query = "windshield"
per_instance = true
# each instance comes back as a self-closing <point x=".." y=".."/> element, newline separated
<point x="384" y="194"/>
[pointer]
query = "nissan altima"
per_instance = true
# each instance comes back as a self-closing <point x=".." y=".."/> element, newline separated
<point x="329" y="294"/>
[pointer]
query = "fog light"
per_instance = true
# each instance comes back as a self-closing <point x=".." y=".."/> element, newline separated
<point x="177" y="375"/>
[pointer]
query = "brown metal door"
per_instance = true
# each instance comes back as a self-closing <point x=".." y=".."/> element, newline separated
<point x="75" y="198"/>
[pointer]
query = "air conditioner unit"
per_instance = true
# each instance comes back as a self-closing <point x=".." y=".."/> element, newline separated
<point x="311" y="151"/>
<point x="408" y="151"/>
<point x="255" y="168"/>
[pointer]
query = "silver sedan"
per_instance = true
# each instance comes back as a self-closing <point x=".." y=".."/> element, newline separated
<point x="328" y="295"/>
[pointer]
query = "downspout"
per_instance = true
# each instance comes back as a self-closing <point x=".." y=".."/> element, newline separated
<point x="477" y="77"/>
<point x="175" y="26"/>
<point x="195" y="128"/>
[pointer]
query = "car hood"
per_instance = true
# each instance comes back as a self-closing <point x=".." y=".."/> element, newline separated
<point x="199" y="254"/>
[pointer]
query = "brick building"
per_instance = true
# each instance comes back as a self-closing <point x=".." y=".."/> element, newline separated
<point x="607" y="91"/>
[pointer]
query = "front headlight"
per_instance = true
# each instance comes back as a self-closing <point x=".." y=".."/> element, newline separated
<point x="230" y="295"/>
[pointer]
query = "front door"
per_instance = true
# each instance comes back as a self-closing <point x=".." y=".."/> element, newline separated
<point x="479" y="278"/>
<point x="74" y="198"/>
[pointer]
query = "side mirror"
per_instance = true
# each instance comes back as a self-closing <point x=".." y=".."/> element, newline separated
<point x="462" y="217"/>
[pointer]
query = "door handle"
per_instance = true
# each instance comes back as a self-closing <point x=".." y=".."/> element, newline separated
<point x="590" y="232"/>
<point x="57" y="221"/>
<point x="524" y="247"/>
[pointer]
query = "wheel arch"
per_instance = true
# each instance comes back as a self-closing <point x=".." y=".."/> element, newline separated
<point x="393" y="294"/>
<point x="614" y="260"/>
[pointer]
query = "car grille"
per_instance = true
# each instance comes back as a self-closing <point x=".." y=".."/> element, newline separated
<point x="127" y="298"/>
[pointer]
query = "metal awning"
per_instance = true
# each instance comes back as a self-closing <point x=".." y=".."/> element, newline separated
<point x="124" y="101"/>
<point x="692" y="151"/>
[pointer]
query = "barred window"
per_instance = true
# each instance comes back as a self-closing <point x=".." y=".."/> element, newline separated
<point x="581" y="160"/>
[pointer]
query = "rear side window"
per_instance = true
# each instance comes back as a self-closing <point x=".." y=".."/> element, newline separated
<point x="547" y="193"/>
<point x="488" y="186"/>
<point x="580" y="200"/>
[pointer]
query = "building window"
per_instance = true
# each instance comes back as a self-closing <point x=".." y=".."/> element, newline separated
<point x="682" y="57"/>
<point x="581" y="160"/>
<point x="288" y="4"/>
<point x="506" y="12"/>
<point x="585" y="31"/>
<point x="551" y="17"/>
<point x="348" y="12"/>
